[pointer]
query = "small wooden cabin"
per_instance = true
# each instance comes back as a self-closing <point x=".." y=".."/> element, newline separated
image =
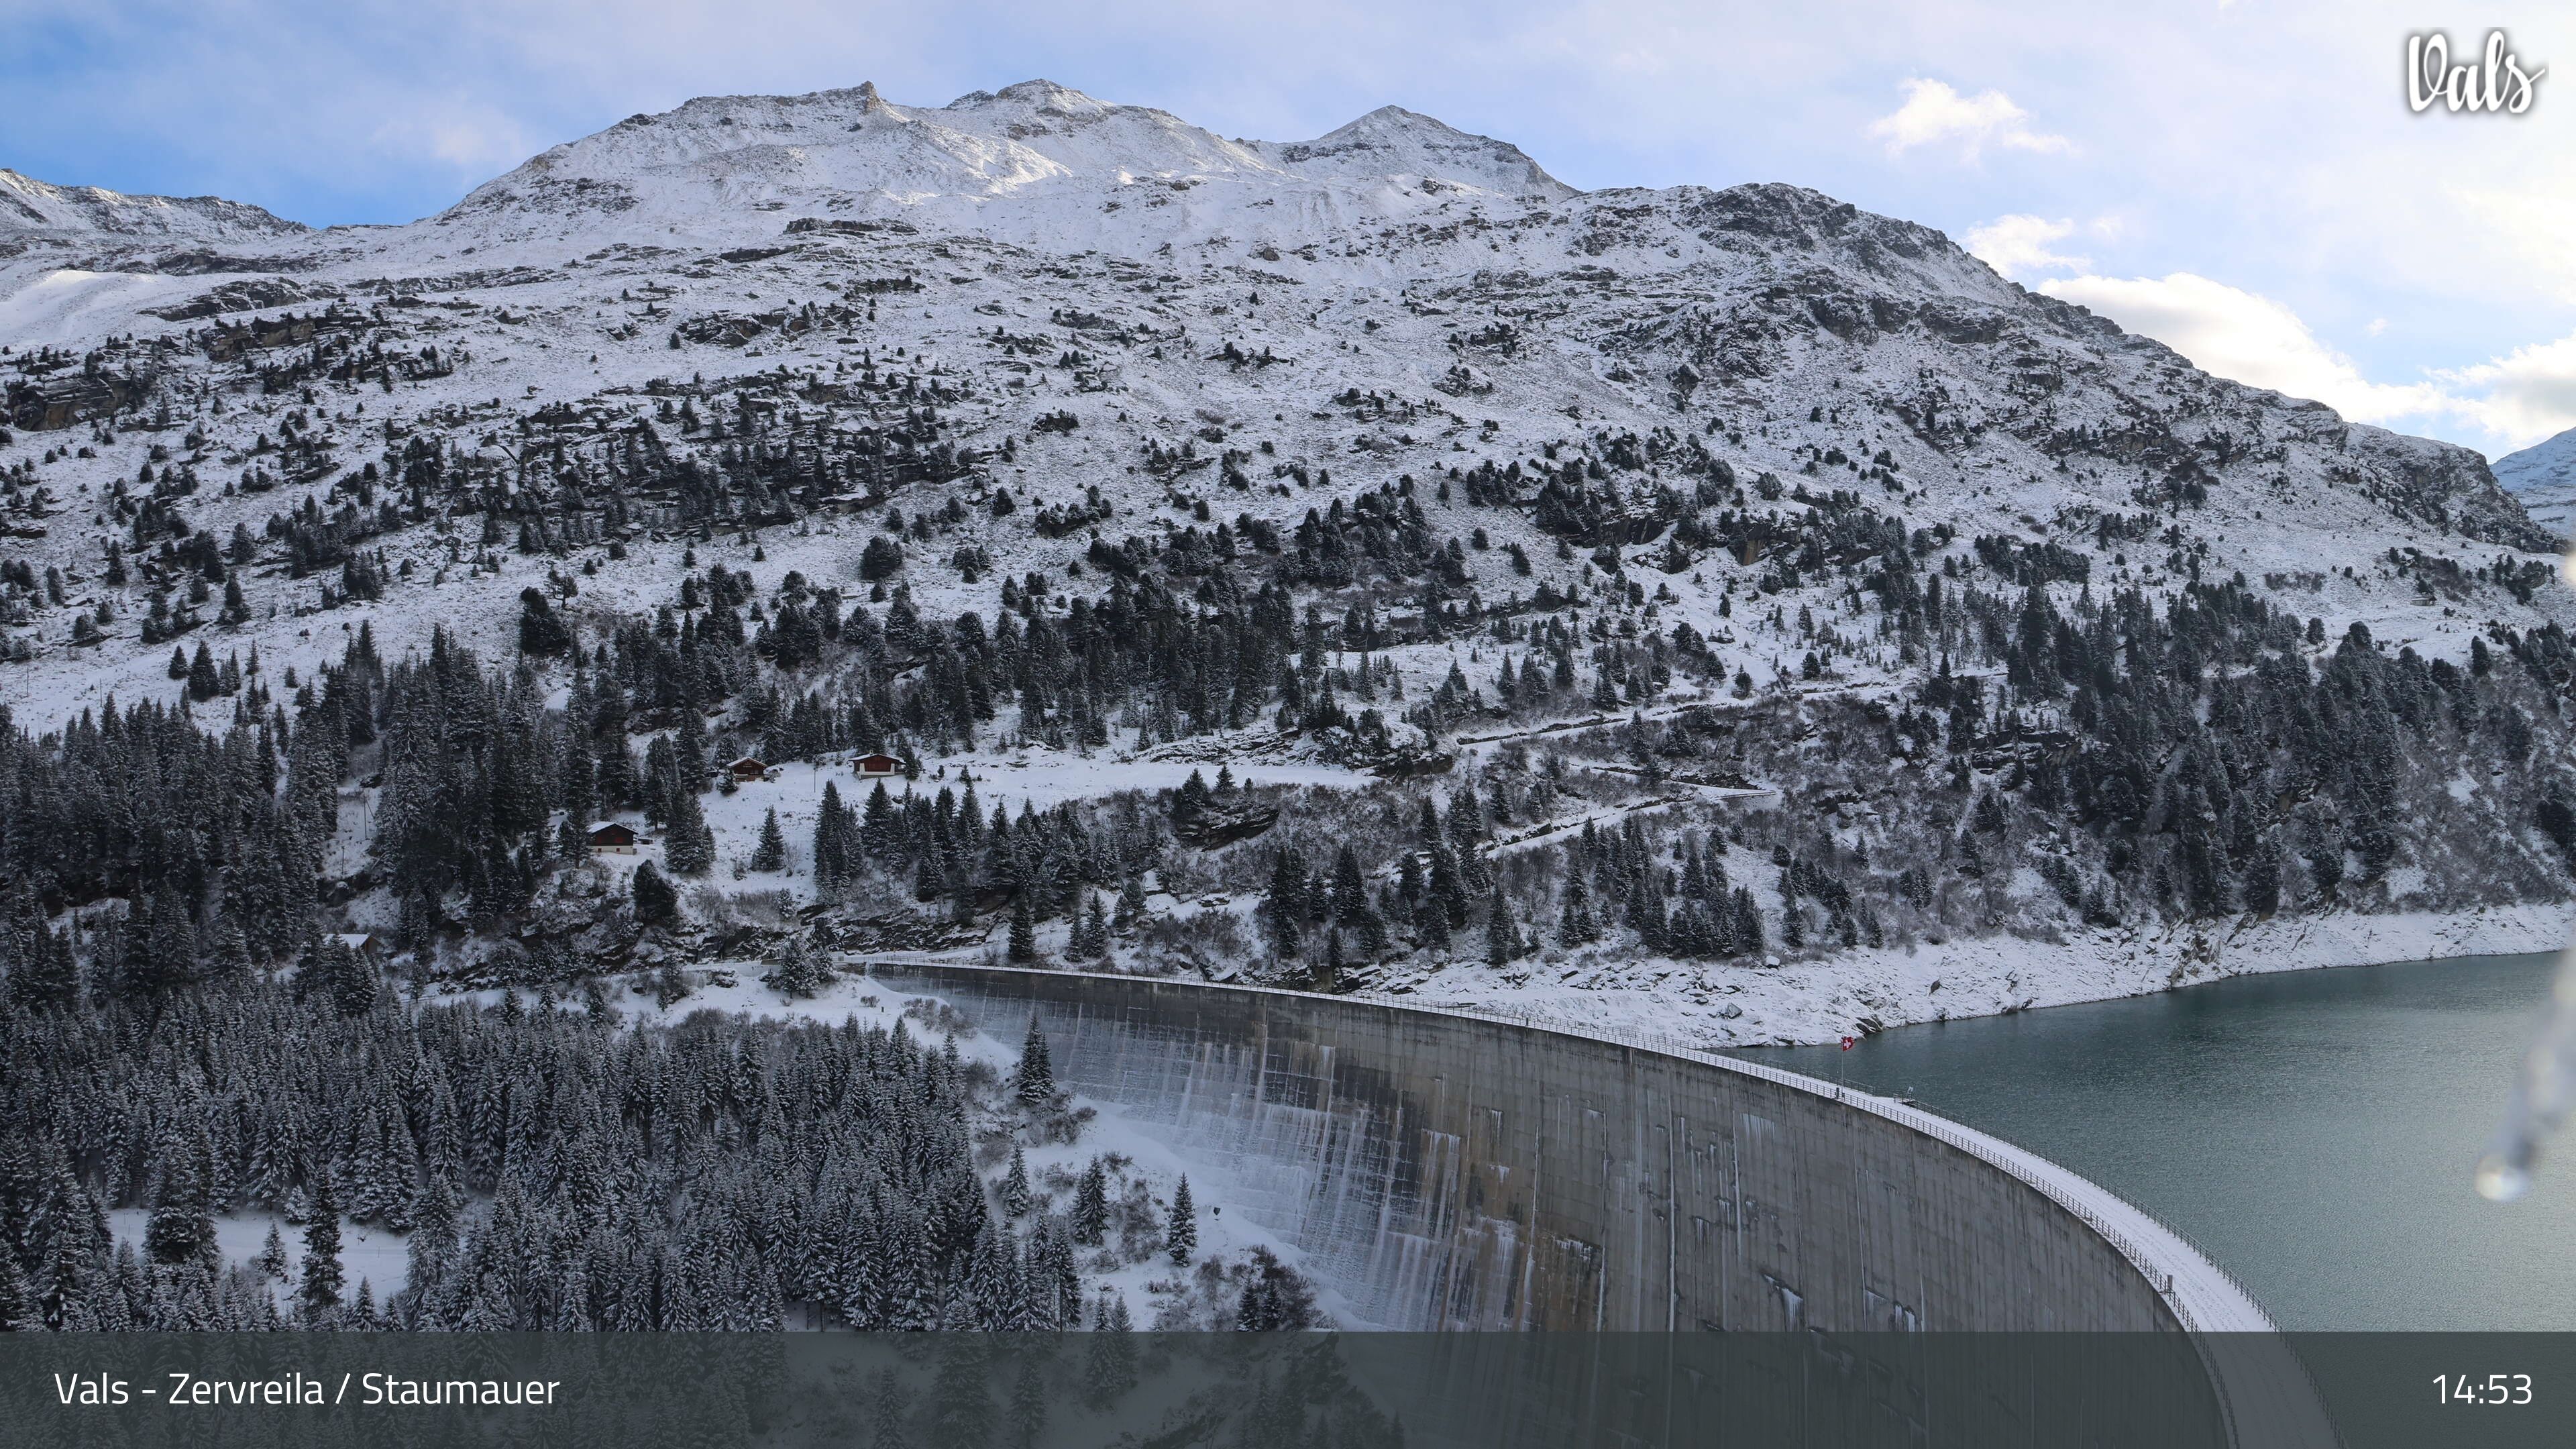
<point x="749" y="770"/>
<point x="877" y="767"/>
<point x="613" y="837"/>
<point x="368" y="945"/>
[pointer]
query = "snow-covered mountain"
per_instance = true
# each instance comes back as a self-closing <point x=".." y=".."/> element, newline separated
<point x="1035" y="163"/>
<point x="2542" y="478"/>
<point x="32" y="210"/>
<point x="1711" y="441"/>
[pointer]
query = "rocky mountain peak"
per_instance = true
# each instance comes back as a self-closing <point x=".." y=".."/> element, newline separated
<point x="31" y="208"/>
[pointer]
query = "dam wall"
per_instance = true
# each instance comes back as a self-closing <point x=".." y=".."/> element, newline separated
<point x="1447" y="1171"/>
<point x="1455" y="1172"/>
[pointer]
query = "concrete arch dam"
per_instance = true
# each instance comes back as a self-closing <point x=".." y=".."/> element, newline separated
<point x="1449" y="1171"/>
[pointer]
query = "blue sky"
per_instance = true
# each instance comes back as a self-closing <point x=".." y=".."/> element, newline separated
<point x="2243" y="180"/>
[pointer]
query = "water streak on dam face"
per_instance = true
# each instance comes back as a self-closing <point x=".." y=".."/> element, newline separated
<point x="1445" y="1172"/>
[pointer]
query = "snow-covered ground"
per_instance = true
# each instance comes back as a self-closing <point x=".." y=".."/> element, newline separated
<point x="369" y="1254"/>
<point x="1859" y="991"/>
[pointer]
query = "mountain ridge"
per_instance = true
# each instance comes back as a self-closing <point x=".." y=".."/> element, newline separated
<point x="31" y="209"/>
<point x="2543" y="478"/>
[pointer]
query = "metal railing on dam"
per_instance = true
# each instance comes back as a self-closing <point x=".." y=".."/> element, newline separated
<point x="1455" y="1170"/>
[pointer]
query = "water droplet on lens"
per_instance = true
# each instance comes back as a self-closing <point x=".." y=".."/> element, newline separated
<point x="2501" y="1180"/>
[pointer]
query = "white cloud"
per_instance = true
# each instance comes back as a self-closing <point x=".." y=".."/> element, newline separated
<point x="2018" y="245"/>
<point x="1934" y="114"/>
<point x="2253" y="339"/>
<point x="470" y="140"/>
<point x="2515" y="400"/>
<point x="2377" y="326"/>
<point x="2527" y="395"/>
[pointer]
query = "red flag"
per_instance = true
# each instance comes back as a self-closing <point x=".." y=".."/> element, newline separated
<point x="1847" y="1042"/>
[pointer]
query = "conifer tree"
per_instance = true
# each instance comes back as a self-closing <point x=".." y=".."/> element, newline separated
<point x="834" y="850"/>
<point x="961" y="1408"/>
<point x="1276" y="1299"/>
<point x="182" y="1226"/>
<point x="1091" y="1204"/>
<point x="337" y="974"/>
<point x="1028" y="1413"/>
<point x="689" y="750"/>
<point x="1109" y="1361"/>
<point x="1033" y="1080"/>
<point x="689" y="845"/>
<point x="1578" y="926"/>
<point x="318" y="1295"/>
<point x="1350" y="892"/>
<point x="18" y="1307"/>
<point x="1181" y="1237"/>
<point x="772" y="852"/>
<point x="1015" y="1184"/>
<point x="1095" y="931"/>
<point x="889" y="1409"/>
<point x="801" y="972"/>
<point x="44" y="973"/>
<point x="1024" y="932"/>
<point x="271" y="1261"/>
<point x="1502" y="942"/>
<point x="655" y="902"/>
<point x="878" y="833"/>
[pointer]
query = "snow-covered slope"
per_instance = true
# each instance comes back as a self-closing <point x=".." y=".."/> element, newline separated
<point x="2542" y="478"/>
<point x="32" y="210"/>
<point x="756" y="330"/>
<point x="1035" y="163"/>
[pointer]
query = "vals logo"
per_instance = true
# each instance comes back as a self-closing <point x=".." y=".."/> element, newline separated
<point x="2497" y="83"/>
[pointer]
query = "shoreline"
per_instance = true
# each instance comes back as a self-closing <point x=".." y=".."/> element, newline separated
<point x="1723" y="1006"/>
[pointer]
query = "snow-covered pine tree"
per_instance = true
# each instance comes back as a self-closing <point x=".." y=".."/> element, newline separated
<point x="1276" y="1299"/>
<point x="689" y="845"/>
<point x="182" y="1227"/>
<point x="1181" y="1237"/>
<point x="656" y="904"/>
<point x="18" y="1309"/>
<point x="1091" y="1205"/>
<point x="1577" y="926"/>
<point x="271" y="1261"/>
<point x="1095" y="929"/>
<point x="1109" y="1360"/>
<point x="1024" y="931"/>
<point x="689" y="750"/>
<point x="772" y="852"/>
<point x="889" y="1412"/>
<point x="334" y="972"/>
<point x="1028" y="1412"/>
<point x="801" y="971"/>
<point x="1033" y="1080"/>
<point x="1015" y="1184"/>
<point x="318" y="1294"/>
<point x="834" y="849"/>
